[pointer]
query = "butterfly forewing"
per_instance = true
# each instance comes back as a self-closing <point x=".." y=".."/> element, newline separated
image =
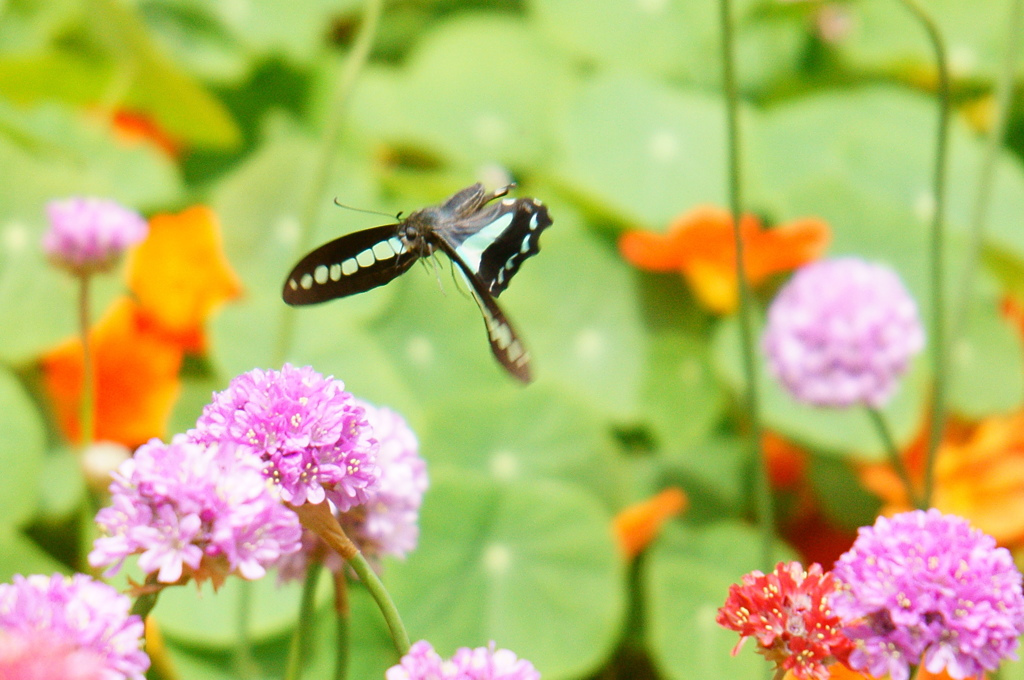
<point x="351" y="264"/>
<point x="506" y="346"/>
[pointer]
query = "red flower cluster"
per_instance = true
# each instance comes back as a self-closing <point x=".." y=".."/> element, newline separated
<point x="788" y="611"/>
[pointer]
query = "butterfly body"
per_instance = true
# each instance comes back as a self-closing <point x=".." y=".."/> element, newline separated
<point x="486" y="238"/>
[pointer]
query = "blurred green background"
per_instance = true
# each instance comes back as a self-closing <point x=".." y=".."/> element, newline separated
<point x="610" y="112"/>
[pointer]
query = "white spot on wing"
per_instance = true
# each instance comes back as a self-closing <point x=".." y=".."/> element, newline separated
<point x="293" y="284"/>
<point x="335" y="272"/>
<point x="320" y="274"/>
<point x="349" y="267"/>
<point x="396" y="245"/>
<point x="365" y="258"/>
<point x="383" y="250"/>
<point x="472" y="249"/>
<point x="306" y="281"/>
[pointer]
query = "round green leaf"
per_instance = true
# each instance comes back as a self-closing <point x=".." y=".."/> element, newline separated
<point x="531" y="566"/>
<point x="19" y="555"/>
<point x="687" y="577"/>
<point x="514" y="434"/>
<point x="21" y="449"/>
<point x="643" y="151"/>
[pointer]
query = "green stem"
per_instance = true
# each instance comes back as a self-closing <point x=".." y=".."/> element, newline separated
<point x="979" y="215"/>
<point x="387" y="607"/>
<point x="895" y="459"/>
<point x="328" y="146"/>
<point x="303" y="633"/>
<point x="87" y="404"/>
<point x="765" y="504"/>
<point x="144" y="604"/>
<point x="342" y="616"/>
<point x="245" y="666"/>
<point x="937" y="419"/>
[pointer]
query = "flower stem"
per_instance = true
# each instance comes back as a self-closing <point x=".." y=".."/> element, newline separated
<point x="979" y="216"/>
<point x="765" y="509"/>
<point x="244" y="665"/>
<point x="328" y="146"/>
<point x="937" y="418"/>
<point x="299" y="647"/>
<point x="342" y="617"/>
<point x="87" y="403"/>
<point x="319" y="519"/>
<point x="895" y="459"/>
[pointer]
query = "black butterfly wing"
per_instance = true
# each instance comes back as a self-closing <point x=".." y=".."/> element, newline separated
<point x="351" y="264"/>
<point x="495" y="241"/>
<point x="506" y="346"/>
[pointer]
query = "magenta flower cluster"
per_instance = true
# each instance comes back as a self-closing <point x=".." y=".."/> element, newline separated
<point x="89" y="234"/>
<point x="923" y="587"/>
<point x="842" y="332"/>
<point x="482" y="663"/>
<point x="204" y="508"/>
<point x="68" y="627"/>
<point x="311" y="436"/>
<point x="388" y="524"/>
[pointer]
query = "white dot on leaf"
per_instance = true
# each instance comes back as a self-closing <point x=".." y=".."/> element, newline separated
<point x="504" y="465"/>
<point x="420" y="350"/>
<point x="286" y="230"/>
<point x="664" y="146"/>
<point x="497" y="559"/>
<point x="15" y="237"/>
<point x="924" y="206"/>
<point x="589" y="344"/>
<point x="653" y="7"/>
<point x="489" y="130"/>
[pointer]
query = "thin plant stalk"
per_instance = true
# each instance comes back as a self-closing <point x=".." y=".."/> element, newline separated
<point x="244" y="663"/>
<point x="328" y="147"/>
<point x="319" y="519"/>
<point x="764" y="502"/>
<point x="993" y="143"/>
<point x="87" y="404"/>
<point x="937" y="417"/>
<point x="342" y="617"/>
<point x="299" y="647"/>
<point x="893" y="452"/>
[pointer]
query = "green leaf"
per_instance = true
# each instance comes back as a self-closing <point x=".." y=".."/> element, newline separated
<point x="511" y="434"/>
<point x="156" y="85"/>
<point x="986" y="364"/>
<point x="687" y="577"/>
<point x="18" y="555"/>
<point x="478" y="90"/>
<point x="21" y="449"/>
<point x="531" y="566"/>
<point x="677" y="39"/>
<point x="642" y="151"/>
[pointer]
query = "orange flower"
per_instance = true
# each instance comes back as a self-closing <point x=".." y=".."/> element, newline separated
<point x="136" y="368"/>
<point x="700" y="245"/>
<point x="786" y="462"/>
<point x="980" y="478"/>
<point x="180" y="274"/>
<point x="638" y="525"/>
<point x="133" y="126"/>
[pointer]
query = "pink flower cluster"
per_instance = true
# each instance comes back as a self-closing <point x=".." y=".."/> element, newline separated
<point x="89" y="234"/>
<point x="481" y="663"/>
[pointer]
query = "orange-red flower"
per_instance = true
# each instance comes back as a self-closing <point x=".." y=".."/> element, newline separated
<point x="180" y="274"/>
<point x="636" y="526"/>
<point x="178" y="277"/>
<point x="133" y="126"/>
<point x="700" y="244"/>
<point x="979" y="477"/>
<point x="136" y="370"/>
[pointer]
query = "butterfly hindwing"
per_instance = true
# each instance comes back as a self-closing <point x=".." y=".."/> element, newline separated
<point x="351" y="264"/>
<point x="506" y="346"/>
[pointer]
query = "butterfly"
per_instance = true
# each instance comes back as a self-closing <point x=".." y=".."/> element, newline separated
<point x="488" y="241"/>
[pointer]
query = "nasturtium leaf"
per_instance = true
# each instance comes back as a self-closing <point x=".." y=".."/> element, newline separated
<point x="713" y="473"/>
<point x="157" y="86"/>
<point x="477" y="90"/>
<point x="371" y="650"/>
<point x="887" y="35"/>
<point x="210" y="620"/>
<point x="986" y="362"/>
<point x="62" y="489"/>
<point x="198" y="37"/>
<point x="19" y="555"/>
<point x="576" y="308"/>
<point x="21" y="449"/>
<point x="530" y="565"/>
<point x="687" y="577"/>
<point x="677" y="39"/>
<point x="840" y="494"/>
<point x="512" y="434"/>
<point x="660" y="150"/>
<point x="681" y="397"/>
<point x="845" y="432"/>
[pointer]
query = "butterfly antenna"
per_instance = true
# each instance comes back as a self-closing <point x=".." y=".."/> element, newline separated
<point x="363" y="210"/>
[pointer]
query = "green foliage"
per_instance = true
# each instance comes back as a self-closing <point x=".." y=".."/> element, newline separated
<point x="610" y="112"/>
